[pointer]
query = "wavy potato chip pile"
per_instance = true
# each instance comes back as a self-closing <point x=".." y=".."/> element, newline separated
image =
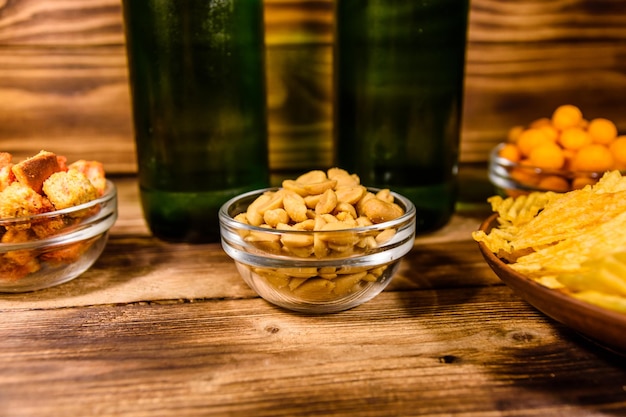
<point x="560" y="239"/>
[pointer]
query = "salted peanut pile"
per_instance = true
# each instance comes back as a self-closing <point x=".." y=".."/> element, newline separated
<point x="329" y="205"/>
<point x="573" y="242"/>
<point x="42" y="184"/>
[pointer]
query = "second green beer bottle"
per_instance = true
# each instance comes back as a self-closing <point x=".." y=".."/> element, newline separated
<point x="399" y="87"/>
<point x="197" y="83"/>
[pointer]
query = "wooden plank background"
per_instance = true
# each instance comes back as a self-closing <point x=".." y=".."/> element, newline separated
<point x="63" y="79"/>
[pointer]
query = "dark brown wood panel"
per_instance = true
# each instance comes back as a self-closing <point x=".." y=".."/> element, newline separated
<point x="63" y="81"/>
<point x="72" y="101"/>
<point x="77" y="23"/>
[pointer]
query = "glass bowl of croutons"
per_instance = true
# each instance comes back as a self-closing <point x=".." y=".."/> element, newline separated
<point x="560" y="153"/>
<point x="321" y="243"/>
<point x="54" y="220"/>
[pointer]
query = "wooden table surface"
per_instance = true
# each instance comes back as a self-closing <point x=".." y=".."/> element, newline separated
<point x="156" y="329"/>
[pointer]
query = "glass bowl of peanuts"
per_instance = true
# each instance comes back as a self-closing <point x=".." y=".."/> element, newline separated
<point x="321" y="243"/>
<point x="559" y="153"/>
<point x="44" y="250"/>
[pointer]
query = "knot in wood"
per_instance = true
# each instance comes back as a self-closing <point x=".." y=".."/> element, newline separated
<point x="272" y="329"/>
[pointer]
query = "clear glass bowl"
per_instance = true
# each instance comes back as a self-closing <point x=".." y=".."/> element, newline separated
<point x="52" y="248"/>
<point x="512" y="179"/>
<point x="285" y="269"/>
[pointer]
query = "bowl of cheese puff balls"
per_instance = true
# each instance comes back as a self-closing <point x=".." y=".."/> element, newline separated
<point x="54" y="219"/>
<point x="560" y="153"/>
<point x="320" y="243"/>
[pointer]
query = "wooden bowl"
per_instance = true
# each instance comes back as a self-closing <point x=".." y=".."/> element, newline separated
<point x="604" y="326"/>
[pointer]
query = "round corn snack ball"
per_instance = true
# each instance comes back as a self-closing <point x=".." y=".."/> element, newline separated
<point x="602" y="131"/>
<point x="564" y="142"/>
<point x="618" y="150"/>
<point x="566" y="116"/>
<point x="548" y="156"/>
<point x="594" y="157"/>
<point x="574" y="138"/>
<point x="530" y="139"/>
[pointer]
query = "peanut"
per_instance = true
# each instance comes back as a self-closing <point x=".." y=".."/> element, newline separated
<point x="252" y="215"/>
<point x="274" y="202"/>
<point x="326" y="203"/>
<point x="295" y="207"/>
<point x="312" y="200"/>
<point x="320" y="187"/>
<point x="385" y="195"/>
<point x="343" y="178"/>
<point x="297" y="241"/>
<point x="320" y="283"/>
<point x="308" y="224"/>
<point x="275" y="216"/>
<point x="294" y="186"/>
<point x="346" y="283"/>
<point x="379" y="211"/>
<point x="312" y="177"/>
<point x="347" y="210"/>
<point x="315" y="288"/>
<point x="385" y="235"/>
<point x="351" y="194"/>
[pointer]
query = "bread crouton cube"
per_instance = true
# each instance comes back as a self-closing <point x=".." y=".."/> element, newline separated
<point x="18" y="200"/>
<point x="94" y="170"/>
<point x="18" y="257"/>
<point x="43" y="228"/>
<point x="69" y="189"/>
<point x="68" y="253"/>
<point x="33" y="171"/>
<point x="6" y="172"/>
<point x="62" y="161"/>
<point x="10" y="271"/>
<point x="5" y="158"/>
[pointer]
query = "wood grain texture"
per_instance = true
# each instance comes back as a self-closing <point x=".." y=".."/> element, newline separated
<point x="411" y="353"/>
<point x="63" y="81"/>
<point x="71" y="101"/>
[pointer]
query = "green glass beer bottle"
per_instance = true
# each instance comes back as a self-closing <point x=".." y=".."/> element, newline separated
<point x="196" y="71"/>
<point x="399" y="94"/>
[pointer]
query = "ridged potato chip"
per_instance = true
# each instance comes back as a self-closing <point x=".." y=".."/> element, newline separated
<point x="574" y="241"/>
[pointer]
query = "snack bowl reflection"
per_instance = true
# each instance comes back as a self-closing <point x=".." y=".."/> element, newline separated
<point x="52" y="248"/>
<point x="316" y="271"/>
<point x="512" y="179"/>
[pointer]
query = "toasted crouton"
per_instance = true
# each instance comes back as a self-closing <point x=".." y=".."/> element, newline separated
<point x="6" y="173"/>
<point x="18" y="200"/>
<point x="10" y="271"/>
<point x="5" y="159"/>
<point x="68" y="253"/>
<point x="62" y="161"/>
<point x="69" y="189"/>
<point x="33" y="171"/>
<point x="18" y="257"/>
<point x="94" y="170"/>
